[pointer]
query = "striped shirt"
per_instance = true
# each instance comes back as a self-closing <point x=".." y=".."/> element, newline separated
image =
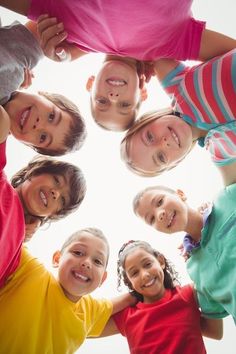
<point x="205" y="96"/>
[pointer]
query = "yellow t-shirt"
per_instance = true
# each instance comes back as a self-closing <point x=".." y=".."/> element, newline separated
<point x="37" y="318"/>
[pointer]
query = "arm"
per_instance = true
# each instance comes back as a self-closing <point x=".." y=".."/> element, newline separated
<point x="163" y="67"/>
<point x="20" y="6"/>
<point x="110" y="329"/>
<point x="228" y="173"/>
<point x="212" y="327"/>
<point x="214" y="44"/>
<point x="122" y="301"/>
<point x="4" y="124"/>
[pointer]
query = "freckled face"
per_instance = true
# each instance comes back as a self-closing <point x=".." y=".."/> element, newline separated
<point x="145" y="273"/>
<point x="164" y="211"/>
<point x="160" y="144"/>
<point x="38" y="122"/>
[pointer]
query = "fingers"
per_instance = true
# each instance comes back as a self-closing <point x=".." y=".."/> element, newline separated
<point x="51" y="34"/>
<point x="28" y="76"/>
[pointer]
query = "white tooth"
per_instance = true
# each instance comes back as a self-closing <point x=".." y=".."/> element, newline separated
<point x="117" y="82"/>
<point x="43" y="197"/>
<point x="78" y="275"/>
<point x="149" y="283"/>
<point x="175" y="137"/>
<point x="23" y="117"/>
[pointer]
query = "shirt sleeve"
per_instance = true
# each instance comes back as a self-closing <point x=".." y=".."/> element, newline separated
<point x="221" y="143"/>
<point x="172" y="81"/>
<point x="2" y="156"/>
<point x="209" y="307"/>
<point x="97" y="312"/>
<point x="120" y="319"/>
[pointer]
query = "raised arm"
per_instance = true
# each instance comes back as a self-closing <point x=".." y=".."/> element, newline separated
<point x="214" y="44"/>
<point x="228" y="173"/>
<point x="4" y="124"/>
<point x="163" y="67"/>
<point x="212" y="327"/>
<point x="20" y="6"/>
<point x="122" y="301"/>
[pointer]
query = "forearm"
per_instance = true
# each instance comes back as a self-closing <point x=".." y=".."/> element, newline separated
<point x="122" y="301"/>
<point x="19" y="6"/>
<point x="163" y="67"/>
<point x="214" y="44"/>
<point x="110" y="329"/>
<point x="212" y="328"/>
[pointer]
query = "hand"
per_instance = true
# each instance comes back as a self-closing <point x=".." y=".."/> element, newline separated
<point x="28" y="76"/>
<point x="183" y="252"/>
<point x="52" y="38"/>
<point x="145" y="70"/>
<point x="204" y="206"/>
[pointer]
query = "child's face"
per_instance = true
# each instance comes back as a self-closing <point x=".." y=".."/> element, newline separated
<point x="82" y="266"/>
<point x="145" y="272"/>
<point x="160" y="144"/>
<point x="45" y="195"/>
<point x="37" y="121"/>
<point x="115" y="94"/>
<point x="164" y="211"/>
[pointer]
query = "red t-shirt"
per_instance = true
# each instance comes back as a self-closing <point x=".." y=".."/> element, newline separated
<point x="168" y="326"/>
<point x="12" y="223"/>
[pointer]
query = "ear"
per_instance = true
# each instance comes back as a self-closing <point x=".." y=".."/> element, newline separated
<point x="56" y="259"/>
<point x="143" y="94"/>
<point x="162" y="262"/>
<point x="181" y="195"/>
<point x="90" y="82"/>
<point x="103" y="278"/>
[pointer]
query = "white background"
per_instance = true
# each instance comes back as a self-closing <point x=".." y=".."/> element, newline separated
<point x="110" y="186"/>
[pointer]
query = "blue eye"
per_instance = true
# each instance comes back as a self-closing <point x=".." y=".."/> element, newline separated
<point x="150" y="137"/>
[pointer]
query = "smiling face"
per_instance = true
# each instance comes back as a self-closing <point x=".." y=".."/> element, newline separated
<point x="115" y="95"/>
<point x="45" y="195"/>
<point x="82" y="266"/>
<point x="38" y="122"/>
<point x="160" y="144"/>
<point x="164" y="211"/>
<point x="145" y="272"/>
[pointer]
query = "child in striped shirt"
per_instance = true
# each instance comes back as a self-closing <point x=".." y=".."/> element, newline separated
<point x="203" y="109"/>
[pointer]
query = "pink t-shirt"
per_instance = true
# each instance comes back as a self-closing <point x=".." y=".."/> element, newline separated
<point x="12" y="223"/>
<point x="145" y="30"/>
<point x="170" y="325"/>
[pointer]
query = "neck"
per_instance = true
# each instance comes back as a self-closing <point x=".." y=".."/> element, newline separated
<point x="195" y="224"/>
<point x="198" y="133"/>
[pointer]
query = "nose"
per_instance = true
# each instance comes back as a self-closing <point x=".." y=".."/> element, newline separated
<point x="86" y="263"/>
<point x="113" y="96"/>
<point x="36" y="123"/>
<point x="55" y="194"/>
<point x="161" y="215"/>
<point x="165" y="142"/>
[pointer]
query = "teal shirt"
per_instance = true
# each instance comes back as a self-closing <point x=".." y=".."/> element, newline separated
<point x="212" y="266"/>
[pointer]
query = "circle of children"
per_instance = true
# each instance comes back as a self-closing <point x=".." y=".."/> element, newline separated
<point x="56" y="315"/>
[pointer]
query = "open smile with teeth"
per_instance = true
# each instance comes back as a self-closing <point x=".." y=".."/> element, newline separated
<point x="43" y="198"/>
<point x="172" y="216"/>
<point x="24" y="117"/>
<point x="79" y="276"/>
<point x="174" y="136"/>
<point x="116" y="82"/>
<point x="150" y="283"/>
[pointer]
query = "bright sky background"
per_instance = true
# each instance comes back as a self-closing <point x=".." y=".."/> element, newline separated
<point x="110" y="186"/>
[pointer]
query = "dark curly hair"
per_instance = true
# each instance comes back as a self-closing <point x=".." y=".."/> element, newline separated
<point x="171" y="278"/>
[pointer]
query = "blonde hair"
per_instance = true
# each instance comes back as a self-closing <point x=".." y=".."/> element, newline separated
<point x="140" y="123"/>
